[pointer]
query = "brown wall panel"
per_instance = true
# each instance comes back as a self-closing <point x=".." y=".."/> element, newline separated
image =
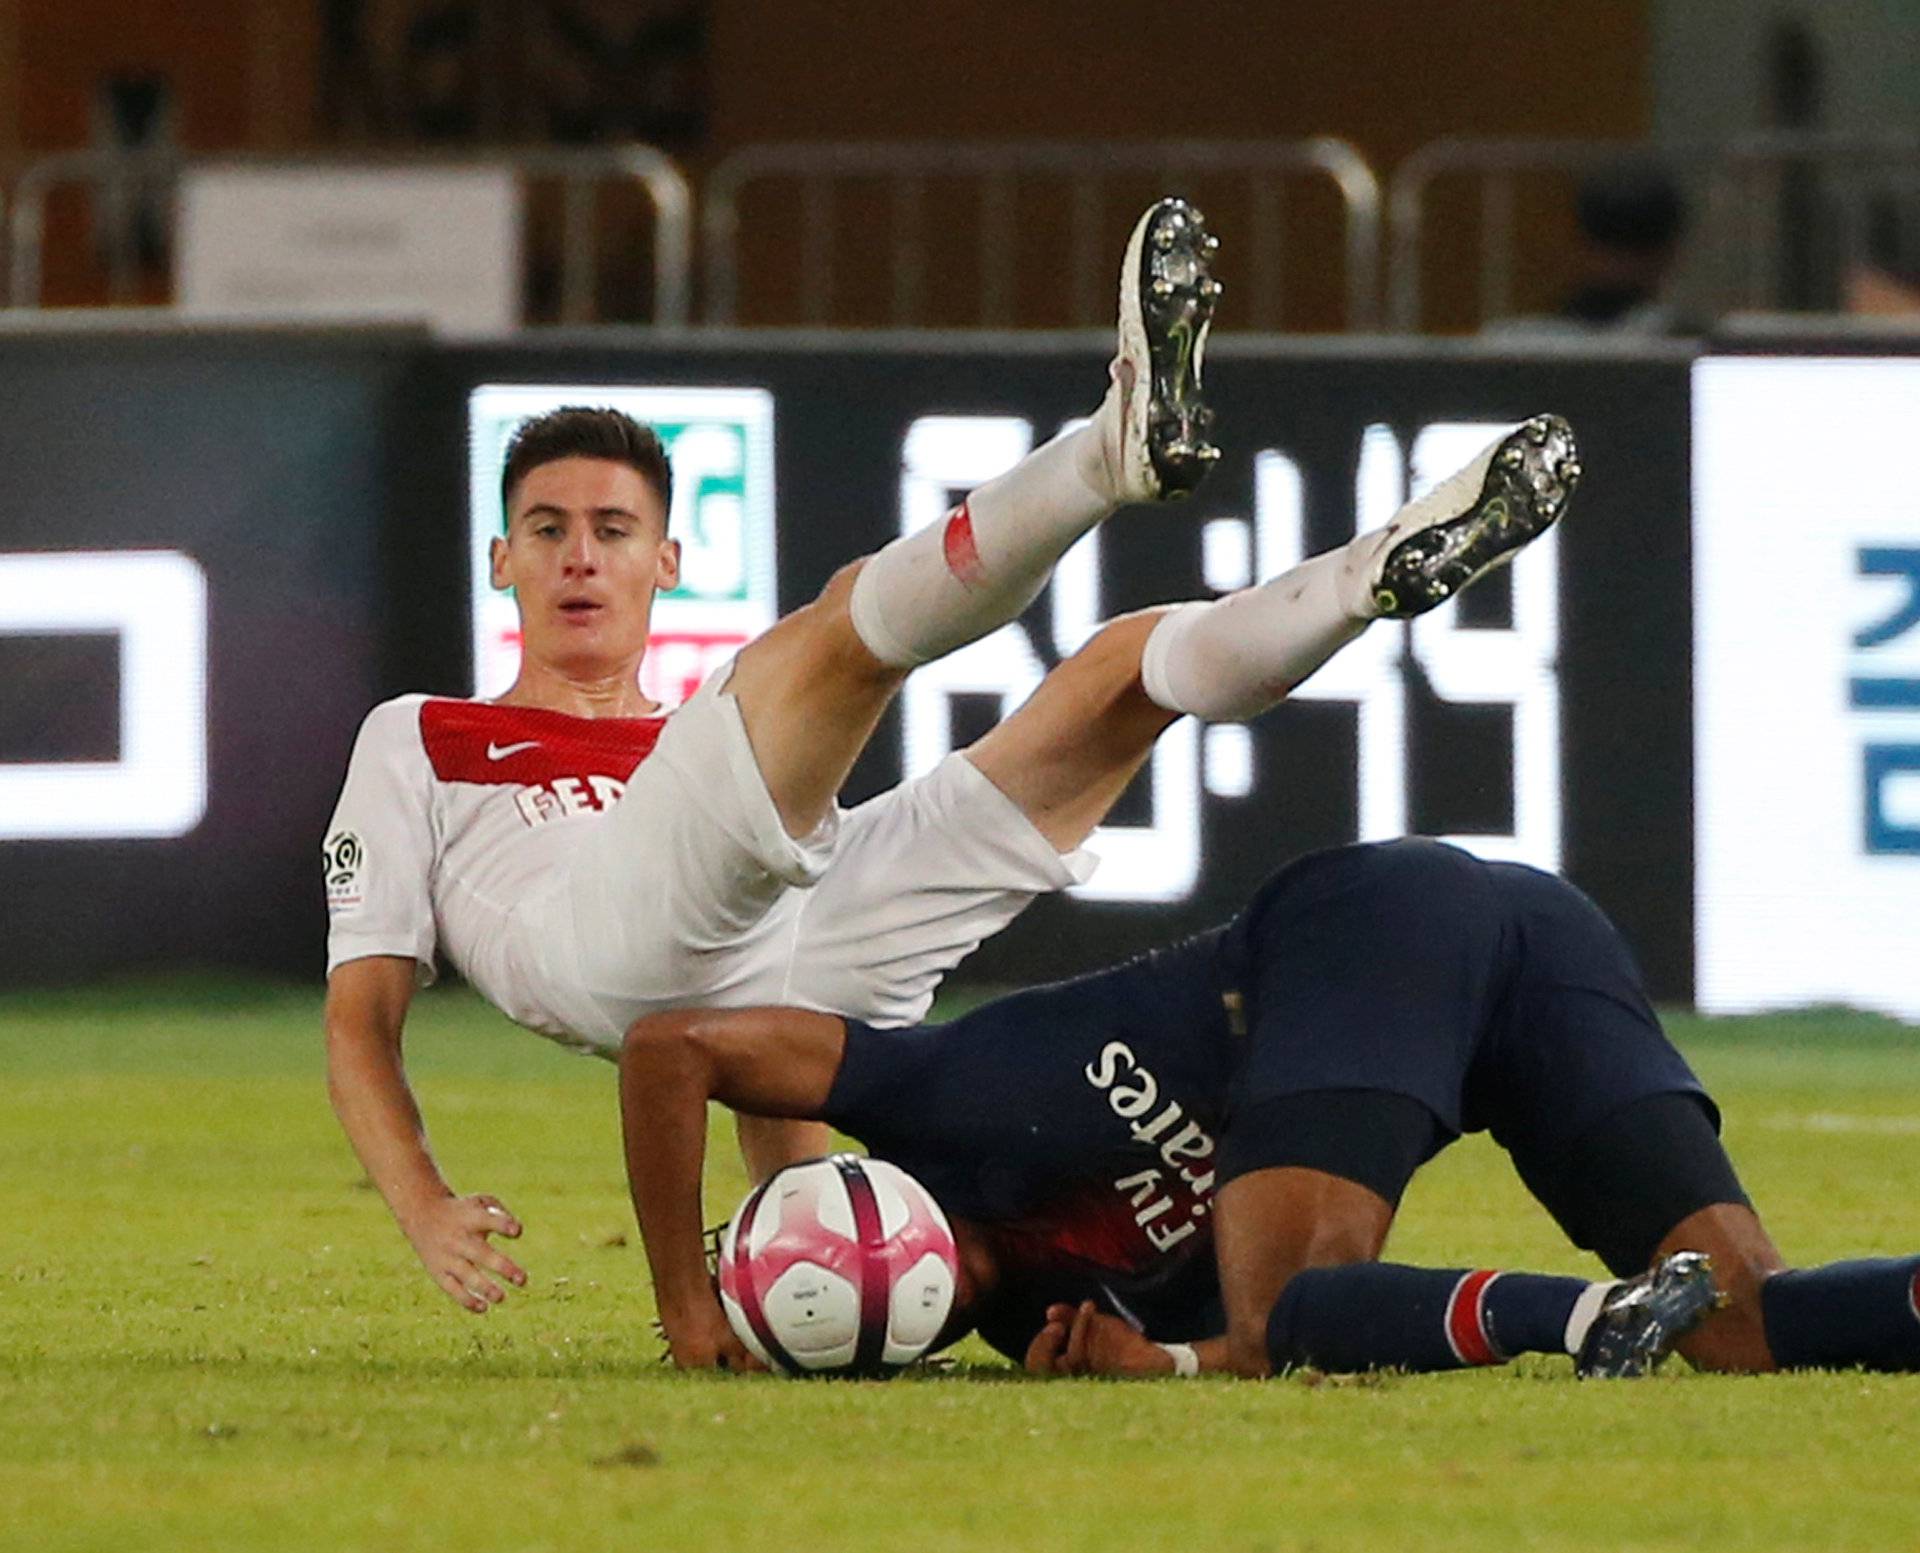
<point x="239" y="73"/>
<point x="1387" y="74"/>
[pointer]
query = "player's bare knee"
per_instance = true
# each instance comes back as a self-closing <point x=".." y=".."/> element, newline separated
<point x="653" y="1034"/>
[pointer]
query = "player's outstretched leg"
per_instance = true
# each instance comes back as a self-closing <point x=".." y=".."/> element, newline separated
<point x="1234" y="658"/>
<point x="1380" y="1315"/>
<point x="1475" y="520"/>
<point x="930" y="592"/>
<point x="812" y="689"/>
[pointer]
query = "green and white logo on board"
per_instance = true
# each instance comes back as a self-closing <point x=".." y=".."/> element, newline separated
<point x="720" y="441"/>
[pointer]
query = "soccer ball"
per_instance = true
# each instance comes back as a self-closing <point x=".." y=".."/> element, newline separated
<point x="842" y="1265"/>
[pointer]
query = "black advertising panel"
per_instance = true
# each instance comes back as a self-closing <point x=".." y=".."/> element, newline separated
<point x="191" y="608"/>
<point x="1545" y="718"/>
<point x="312" y="506"/>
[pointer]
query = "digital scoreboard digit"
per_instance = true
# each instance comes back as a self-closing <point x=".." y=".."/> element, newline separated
<point x="153" y="605"/>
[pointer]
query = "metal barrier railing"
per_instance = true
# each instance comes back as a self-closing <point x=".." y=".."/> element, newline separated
<point x="905" y="169"/>
<point x="1841" y="179"/>
<point x="1739" y="238"/>
<point x="115" y="176"/>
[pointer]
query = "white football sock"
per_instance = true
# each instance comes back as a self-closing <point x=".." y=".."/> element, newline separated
<point x="1586" y="1311"/>
<point x="1233" y="658"/>
<point x="932" y="591"/>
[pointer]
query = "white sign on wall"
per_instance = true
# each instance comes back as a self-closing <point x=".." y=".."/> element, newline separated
<point x="1806" y="583"/>
<point x="440" y="244"/>
<point x="154" y="604"/>
<point x="720" y="444"/>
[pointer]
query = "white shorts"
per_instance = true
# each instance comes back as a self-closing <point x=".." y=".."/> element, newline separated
<point x="691" y="893"/>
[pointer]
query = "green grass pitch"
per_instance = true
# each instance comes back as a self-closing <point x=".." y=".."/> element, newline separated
<point x="212" y="1337"/>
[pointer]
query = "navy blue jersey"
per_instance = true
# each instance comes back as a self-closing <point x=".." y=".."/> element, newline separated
<point x="1091" y="1121"/>
<point x="1081" y="1119"/>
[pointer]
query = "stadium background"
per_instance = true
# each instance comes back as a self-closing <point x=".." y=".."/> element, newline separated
<point x="222" y="538"/>
<point x="319" y="478"/>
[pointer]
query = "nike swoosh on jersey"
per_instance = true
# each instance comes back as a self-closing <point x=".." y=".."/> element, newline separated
<point x="502" y="751"/>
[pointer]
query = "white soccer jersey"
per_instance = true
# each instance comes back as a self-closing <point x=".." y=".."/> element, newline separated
<point x="583" y="872"/>
<point x="455" y="815"/>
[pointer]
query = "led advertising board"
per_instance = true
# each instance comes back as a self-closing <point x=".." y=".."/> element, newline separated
<point x="306" y="519"/>
<point x="1542" y="718"/>
<point x="193" y="619"/>
<point x="1806" y="586"/>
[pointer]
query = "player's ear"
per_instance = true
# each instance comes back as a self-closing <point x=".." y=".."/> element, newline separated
<point x="497" y="563"/>
<point x="666" y="574"/>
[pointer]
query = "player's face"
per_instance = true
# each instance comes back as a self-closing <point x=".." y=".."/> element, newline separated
<point x="586" y="549"/>
<point x="977" y="1270"/>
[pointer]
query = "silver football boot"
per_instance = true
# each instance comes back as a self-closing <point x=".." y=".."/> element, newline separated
<point x="1644" y="1317"/>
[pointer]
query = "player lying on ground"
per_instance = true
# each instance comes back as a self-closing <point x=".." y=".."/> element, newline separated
<point x="498" y="833"/>
<point x="1205" y="1147"/>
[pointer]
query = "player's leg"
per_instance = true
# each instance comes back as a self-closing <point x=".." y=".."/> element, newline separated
<point x="1067" y="755"/>
<point x="926" y="873"/>
<point x="811" y="689"/>
<point x="1641" y="1172"/>
<point x="1606" y="1123"/>
<point x="1235" y="657"/>
<point x="1382" y="1315"/>
<point x="1364" y="975"/>
<point x="1613" y="1133"/>
<point x="1302" y="1284"/>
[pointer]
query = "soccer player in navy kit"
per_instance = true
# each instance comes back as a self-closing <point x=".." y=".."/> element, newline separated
<point x="1190" y="1161"/>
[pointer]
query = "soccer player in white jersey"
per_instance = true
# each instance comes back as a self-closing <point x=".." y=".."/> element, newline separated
<point x="584" y="857"/>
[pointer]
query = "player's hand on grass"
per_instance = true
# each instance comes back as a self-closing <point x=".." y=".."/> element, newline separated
<point x="1084" y="1340"/>
<point x="450" y="1236"/>
<point x="699" y="1338"/>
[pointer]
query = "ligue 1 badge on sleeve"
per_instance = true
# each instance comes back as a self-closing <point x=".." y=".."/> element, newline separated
<point x="343" y="856"/>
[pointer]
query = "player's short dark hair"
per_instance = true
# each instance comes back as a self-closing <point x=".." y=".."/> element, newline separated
<point x="582" y="431"/>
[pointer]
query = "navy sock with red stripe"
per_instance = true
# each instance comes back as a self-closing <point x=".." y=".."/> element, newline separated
<point x="1864" y="1313"/>
<point x="1382" y="1316"/>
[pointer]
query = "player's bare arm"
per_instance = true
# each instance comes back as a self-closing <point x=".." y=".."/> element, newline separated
<point x="1085" y="1340"/>
<point x="770" y="1143"/>
<point x="367" y="1002"/>
<point x="768" y="1062"/>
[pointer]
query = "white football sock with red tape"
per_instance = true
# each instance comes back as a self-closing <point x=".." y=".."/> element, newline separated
<point x="1234" y="658"/>
<point x="932" y="591"/>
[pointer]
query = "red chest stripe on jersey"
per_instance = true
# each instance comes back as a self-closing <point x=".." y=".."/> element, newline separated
<point x="476" y="741"/>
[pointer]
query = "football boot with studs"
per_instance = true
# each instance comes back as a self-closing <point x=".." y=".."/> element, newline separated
<point x="1167" y="297"/>
<point x="1641" y="1319"/>
<point x="1477" y="519"/>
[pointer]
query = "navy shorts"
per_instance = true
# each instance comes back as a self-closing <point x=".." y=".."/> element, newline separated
<point x="1497" y="996"/>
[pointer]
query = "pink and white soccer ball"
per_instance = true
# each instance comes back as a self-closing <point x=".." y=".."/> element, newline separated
<point x="840" y="1265"/>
